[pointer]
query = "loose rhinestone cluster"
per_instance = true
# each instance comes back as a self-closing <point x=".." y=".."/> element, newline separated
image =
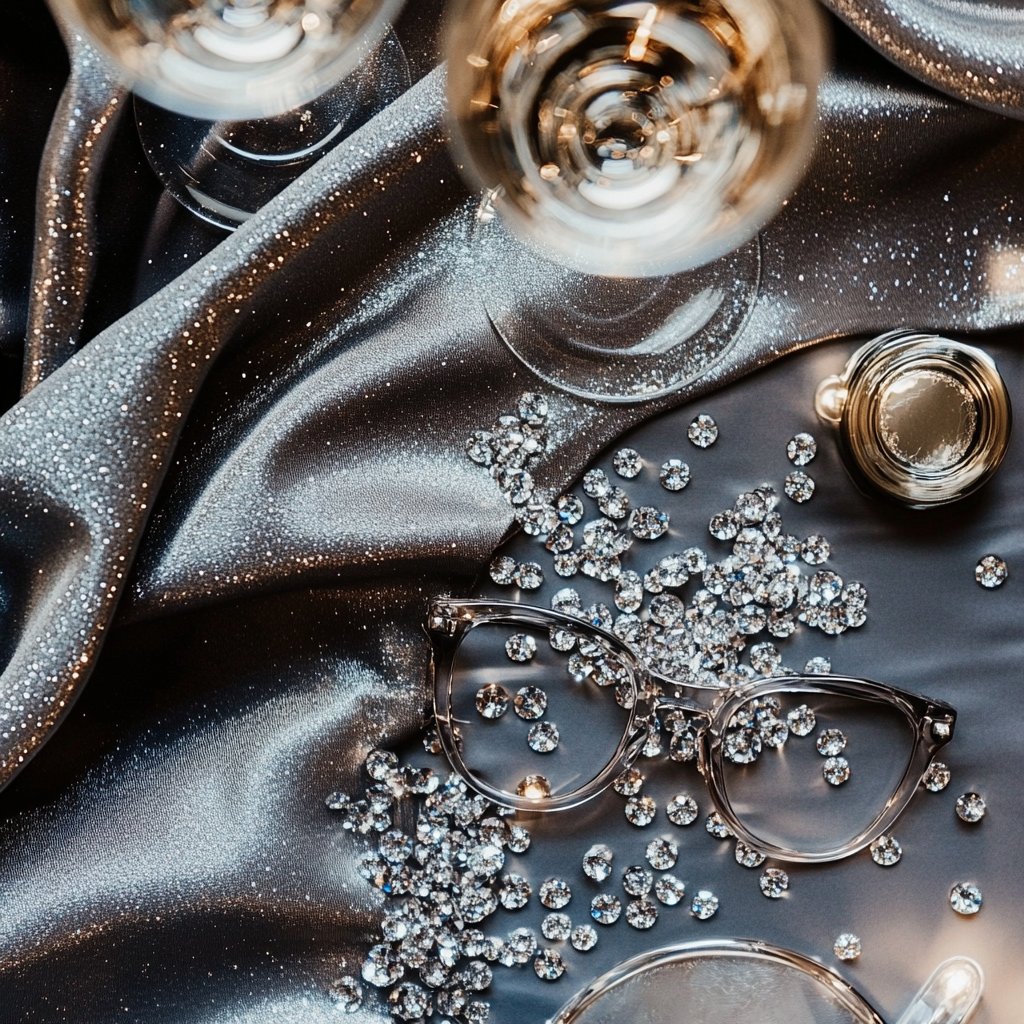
<point x="991" y="572"/>
<point x="511" y="446"/>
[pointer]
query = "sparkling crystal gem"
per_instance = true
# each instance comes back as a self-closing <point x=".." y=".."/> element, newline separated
<point x="534" y="787"/>
<point x="514" y="892"/>
<point x="765" y="658"/>
<point x="548" y="965"/>
<point x="774" y="882"/>
<point x="815" y="550"/>
<point x="346" y="994"/>
<point x="537" y="518"/>
<point x="523" y="944"/>
<point x="603" y="539"/>
<point x="433" y="973"/>
<point x="518" y="838"/>
<point x="717" y="827"/>
<point x="486" y="860"/>
<point x="492" y="700"/>
<point x="584" y="938"/>
<point x="818" y="667"/>
<point x="555" y="894"/>
<point x="801" y="721"/>
<point x="543" y="737"/>
<point x="477" y="1012"/>
<point x="936" y="777"/>
<point x="674" y="475"/>
<point x="669" y="890"/>
<point x="533" y="408"/>
<point x="724" y="525"/>
<point x="742" y="746"/>
<point x="409" y="1001"/>
<point x="569" y="508"/>
<point x="597" y="862"/>
<point x="751" y="507"/>
<point x="395" y="847"/>
<point x="836" y="770"/>
<point x="566" y="563"/>
<point x="965" y="898"/>
<point x="830" y="742"/>
<point x="503" y="570"/>
<point x="479" y="447"/>
<point x="682" y="810"/>
<point x="637" y="880"/>
<point x="886" y="850"/>
<point x="773" y="732"/>
<point x="627" y="462"/>
<point x="629" y="592"/>
<point x="451" y="1001"/>
<point x="476" y="976"/>
<point x="847" y="947"/>
<point x="801" y="449"/>
<point x="628" y="782"/>
<point x="748" y="857"/>
<point x="662" y="854"/>
<point x="970" y="808"/>
<point x="562" y="639"/>
<point x="673" y="571"/>
<point x="382" y="966"/>
<point x="704" y="905"/>
<point x="605" y="909"/>
<point x="799" y="486"/>
<point x="556" y="927"/>
<point x="379" y="763"/>
<point x="516" y="484"/>
<point x="703" y="431"/>
<point x="336" y="801"/>
<point x="560" y="539"/>
<point x="520" y="647"/>
<point x="600" y="567"/>
<point x="530" y="576"/>
<point x="596" y="483"/>
<point x="641" y="914"/>
<point x="647" y="523"/>
<point x="567" y="601"/>
<point x="683" y="746"/>
<point x="991" y="572"/>
<point x="640" y="810"/>
<point x="530" y="702"/>
<point x="614" y="504"/>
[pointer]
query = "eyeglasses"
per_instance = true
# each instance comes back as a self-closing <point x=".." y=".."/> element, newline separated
<point x="745" y="982"/>
<point x="542" y="711"/>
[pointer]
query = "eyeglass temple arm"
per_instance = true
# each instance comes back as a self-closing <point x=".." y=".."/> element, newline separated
<point x="949" y="996"/>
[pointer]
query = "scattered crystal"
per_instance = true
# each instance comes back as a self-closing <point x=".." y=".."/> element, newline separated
<point x="627" y="462"/>
<point x="830" y="742"/>
<point x="336" y="801"/>
<point x="683" y="747"/>
<point x="751" y="507"/>
<point x="614" y="504"/>
<point x="479" y="449"/>
<point x="562" y="639"/>
<point x="533" y="408"/>
<point x="628" y="782"/>
<point x="566" y="563"/>
<point x="543" y="737"/>
<point x="765" y="658"/>
<point x="647" y="523"/>
<point x="516" y="484"/>
<point x="520" y="647"/>
<point x="597" y="862"/>
<point x="847" y="947"/>
<point x="596" y="483"/>
<point x="886" y="850"/>
<point x="637" y="880"/>
<point x="477" y="1012"/>
<point x="395" y="847"/>
<point x="662" y="854"/>
<point x="503" y="570"/>
<point x="556" y="927"/>
<point x="521" y="945"/>
<point x="991" y="572"/>
<point x="815" y="550"/>
<point x="641" y="914"/>
<point x="965" y="898"/>
<point x="346" y="994"/>
<point x="801" y="721"/>
<point x="382" y="966"/>
<point x="518" y="838"/>
<point x="801" y="449"/>
<point x="799" y="486"/>
<point x="409" y="1001"/>
<point x="629" y="592"/>
<point x="836" y="770"/>
<point x="640" y="810"/>
<point x="514" y="892"/>
<point x="704" y="905"/>
<point x="486" y="860"/>
<point x="970" y="808"/>
<point x="548" y="965"/>
<point x="492" y="700"/>
<point x="451" y="1001"/>
<point x="534" y="787"/>
<point x="530" y="702"/>
<point x="561" y="539"/>
<point x="682" y="810"/>
<point x="724" y="525"/>
<point x="434" y="973"/>
<point x="748" y="857"/>
<point x="379" y="763"/>
<point x="742" y="746"/>
<point x="674" y="475"/>
<point x="818" y="667"/>
<point x="537" y="519"/>
<point x="936" y="777"/>
<point x="605" y="909"/>
<point x="717" y="827"/>
<point x="555" y="894"/>
<point x="569" y="508"/>
<point x="773" y="732"/>
<point x="584" y="938"/>
<point x="669" y="890"/>
<point x="703" y="431"/>
<point x="774" y="882"/>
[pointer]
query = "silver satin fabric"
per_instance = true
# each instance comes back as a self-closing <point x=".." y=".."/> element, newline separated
<point x="263" y="465"/>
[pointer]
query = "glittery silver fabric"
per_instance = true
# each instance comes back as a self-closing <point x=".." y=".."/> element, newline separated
<point x="264" y="465"/>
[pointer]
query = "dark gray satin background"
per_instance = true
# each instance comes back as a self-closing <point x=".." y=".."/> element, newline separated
<point x="167" y="855"/>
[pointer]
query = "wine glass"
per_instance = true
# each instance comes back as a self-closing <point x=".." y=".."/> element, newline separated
<point x="631" y="151"/>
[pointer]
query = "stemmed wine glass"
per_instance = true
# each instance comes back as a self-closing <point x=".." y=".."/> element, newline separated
<point x="631" y="152"/>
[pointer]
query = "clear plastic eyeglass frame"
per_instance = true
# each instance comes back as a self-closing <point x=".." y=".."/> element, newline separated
<point x="931" y="722"/>
<point x="709" y="976"/>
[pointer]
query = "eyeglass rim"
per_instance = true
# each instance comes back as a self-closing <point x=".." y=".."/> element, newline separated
<point x="752" y="948"/>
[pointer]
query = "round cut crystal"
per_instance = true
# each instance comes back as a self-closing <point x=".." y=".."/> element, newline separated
<point x="584" y="938"/>
<point x="936" y="777"/>
<point x="478" y="447"/>
<point x="742" y="746"/>
<point x="640" y="810"/>
<point x="503" y="570"/>
<point x="662" y="854"/>
<point x="799" y="486"/>
<point x="818" y="667"/>
<point x="628" y="782"/>
<point x="614" y="504"/>
<point x="567" y="601"/>
<point x="530" y="702"/>
<point x="703" y="431"/>
<point x="514" y="892"/>
<point x="836" y="770"/>
<point x="629" y="591"/>
<point x="970" y="808"/>
<point x="492" y="700"/>
<point x="773" y="732"/>
<point x="566" y="563"/>
<point x="534" y="787"/>
<point x="562" y="639"/>
<point x="555" y="894"/>
<point x="595" y="483"/>
<point x="346" y="994"/>
<point x="774" y="882"/>
<point x="518" y="838"/>
<point x="409" y="1001"/>
<point x="517" y="484"/>
<point x="965" y="898"/>
<point x="847" y="947"/>
<point x="641" y="914"/>
<point x="765" y="658"/>
<point x="886" y="850"/>
<point x="627" y="462"/>
<point x="597" y="862"/>
<point x="548" y="965"/>
<point x="556" y="927"/>
<point x="716" y="827"/>
<point x="560" y="539"/>
<point x="569" y="508"/>
<point x="669" y="890"/>
<point x="748" y="857"/>
<point x="605" y="909"/>
<point x="537" y="519"/>
<point x="543" y="737"/>
<point x="815" y="550"/>
<point x="801" y="721"/>
<point x="724" y="525"/>
<point x="674" y="475"/>
<point x="682" y="810"/>
<point x="830" y="742"/>
<point x="991" y="572"/>
<point x="379" y="763"/>
<point x="382" y="967"/>
<point x="520" y="647"/>
<point x="637" y="880"/>
<point x="673" y="571"/>
<point x="801" y="449"/>
<point x="533" y="408"/>
<point x="486" y="860"/>
<point x="704" y="905"/>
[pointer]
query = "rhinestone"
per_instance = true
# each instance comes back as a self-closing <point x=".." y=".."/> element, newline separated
<point x="627" y="462"/>
<point x="597" y="862"/>
<point x="774" y="732"/>
<point x="801" y="449"/>
<point x="695" y="560"/>
<point x="562" y="639"/>
<point x="520" y="647"/>
<point x="836" y="770"/>
<point x="717" y="827"/>
<point x="493" y="831"/>
<point x="514" y="892"/>
<point x="492" y="700"/>
<point x="604" y="539"/>
<point x="569" y="508"/>
<point x="537" y="519"/>
<point x="566" y="563"/>
<point x="548" y="965"/>
<point x="530" y="576"/>
<point x="560" y="539"/>
<point x="703" y="431"/>
<point x="379" y="763"/>
<point x="534" y="787"/>
<point x="682" y="810"/>
<point x="683" y="746"/>
<point x="614" y="504"/>
<point x="476" y="904"/>
<point x="647" y="523"/>
<point x="522" y="944"/>
<point x="641" y="914"/>
<point x="669" y="890"/>
<point x="742" y="746"/>
<point x="724" y="525"/>
<point x="493" y="947"/>
<point x="451" y="1001"/>
<point x="518" y="839"/>
<point x="433" y="973"/>
<point x="774" y="882"/>
<point x="476" y="976"/>
<point x="886" y="850"/>
<point x="751" y="507"/>
<point x="516" y="484"/>
<point x="595" y="483"/>
<point x="640" y="810"/>
<point x="748" y="857"/>
<point x="566" y="601"/>
<point x="765" y="658"/>
<point x="965" y="899"/>
<point x="479" y="449"/>
<point x="503" y="570"/>
<point x="346" y="994"/>
<point x="395" y="847"/>
<point x="629" y="592"/>
<point x="600" y="567"/>
<point x="530" y="702"/>
<point x="382" y="966"/>
<point x="936" y="777"/>
<point x="637" y="880"/>
<point x="847" y="947"/>
<point x="409" y="1001"/>
<point x="830" y="742"/>
<point x="556" y="927"/>
<point x="628" y="782"/>
<point x="704" y="905"/>
<point x="486" y="860"/>
<point x="674" y="475"/>
<point x="662" y="854"/>
<point x="477" y="1012"/>
<point x="605" y="909"/>
<point x="336" y="801"/>
<point x="815" y="550"/>
<point x="991" y="572"/>
<point x="799" y="486"/>
<point x="555" y="894"/>
<point x="533" y="408"/>
<point x="672" y="572"/>
<point x="584" y="938"/>
<point x="543" y="737"/>
<point x="818" y="667"/>
<point x="801" y="721"/>
<point x="970" y="808"/>
<point x="781" y="626"/>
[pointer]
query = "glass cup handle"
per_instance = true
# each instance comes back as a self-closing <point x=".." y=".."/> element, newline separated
<point x="949" y="996"/>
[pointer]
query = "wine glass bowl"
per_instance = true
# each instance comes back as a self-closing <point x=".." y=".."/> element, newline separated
<point x="635" y="138"/>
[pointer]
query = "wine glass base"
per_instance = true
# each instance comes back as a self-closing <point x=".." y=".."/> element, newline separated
<point x="224" y="171"/>
<point x="610" y="339"/>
